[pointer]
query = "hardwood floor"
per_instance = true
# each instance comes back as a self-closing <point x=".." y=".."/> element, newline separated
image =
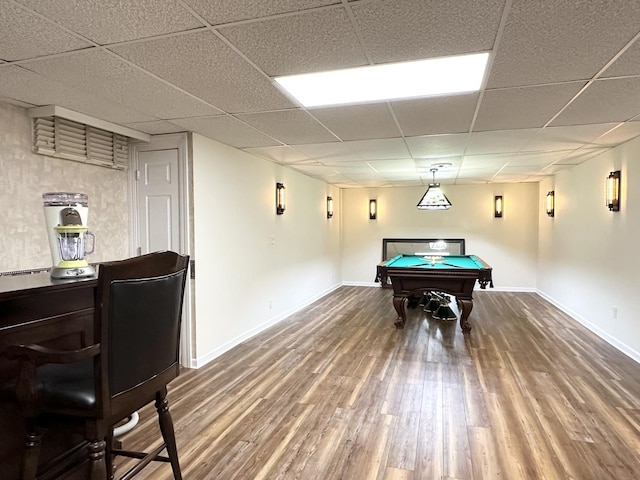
<point x="336" y="392"/>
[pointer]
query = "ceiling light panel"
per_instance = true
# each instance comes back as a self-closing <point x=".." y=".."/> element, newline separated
<point x="435" y="76"/>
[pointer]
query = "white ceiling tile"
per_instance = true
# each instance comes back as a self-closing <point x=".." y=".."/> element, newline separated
<point x="301" y="46"/>
<point x="435" y="146"/>
<point x="179" y="73"/>
<point x="627" y="64"/>
<point x="436" y="115"/>
<point x="35" y="89"/>
<point x="581" y="155"/>
<point x="607" y="100"/>
<point x="381" y="149"/>
<point x="24" y="35"/>
<point x="101" y="73"/>
<point x="393" y="166"/>
<point x="537" y="158"/>
<point x="358" y="122"/>
<point x="329" y="153"/>
<point x="548" y="170"/>
<point x="353" y="169"/>
<point x="522" y="170"/>
<point x="109" y="21"/>
<point x="203" y="65"/>
<point x="475" y="181"/>
<point x="570" y="41"/>
<point x="238" y="10"/>
<point x="505" y="141"/>
<point x="493" y="161"/>
<point x="477" y="175"/>
<point x="620" y="134"/>
<point x="403" y="181"/>
<point x="372" y="182"/>
<point x="525" y="107"/>
<point x="441" y="163"/>
<point x="290" y="126"/>
<point x="317" y="170"/>
<point x="566" y="138"/>
<point x="396" y="30"/>
<point x="226" y="129"/>
<point x="279" y="154"/>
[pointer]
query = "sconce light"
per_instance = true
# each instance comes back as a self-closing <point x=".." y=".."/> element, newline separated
<point x="280" y="198"/>
<point x="497" y="206"/>
<point x="551" y="203"/>
<point x="613" y="191"/>
<point x="329" y="207"/>
<point x="373" y="209"/>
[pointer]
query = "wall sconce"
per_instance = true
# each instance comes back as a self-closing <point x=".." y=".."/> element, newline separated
<point x="497" y="206"/>
<point x="373" y="209"/>
<point x="613" y="191"/>
<point x="280" y="198"/>
<point x="551" y="203"/>
<point x="329" y="207"/>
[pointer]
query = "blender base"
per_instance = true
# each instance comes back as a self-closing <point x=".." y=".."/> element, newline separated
<point x="72" y="272"/>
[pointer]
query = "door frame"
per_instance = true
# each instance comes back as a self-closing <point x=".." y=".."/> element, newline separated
<point x="180" y="142"/>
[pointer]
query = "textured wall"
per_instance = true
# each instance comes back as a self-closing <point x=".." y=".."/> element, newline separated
<point x="25" y="176"/>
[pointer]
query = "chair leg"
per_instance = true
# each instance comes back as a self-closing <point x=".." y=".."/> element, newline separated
<point x="168" y="434"/>
<point x="31" y="455"/>
<point x="97" y="467"/>
<point x="109" y="455"/>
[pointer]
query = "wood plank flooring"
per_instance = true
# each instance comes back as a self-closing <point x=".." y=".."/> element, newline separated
<point x="336" y="392"/>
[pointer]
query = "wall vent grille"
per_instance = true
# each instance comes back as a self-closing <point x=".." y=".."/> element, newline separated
<point x="62" y="133"/>
<point x="62" y="138"/>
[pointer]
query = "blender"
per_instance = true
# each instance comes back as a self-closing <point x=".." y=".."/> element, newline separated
<point x="70" y="241"/>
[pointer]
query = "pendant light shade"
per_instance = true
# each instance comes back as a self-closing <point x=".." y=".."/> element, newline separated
<point x="434" y="198"/>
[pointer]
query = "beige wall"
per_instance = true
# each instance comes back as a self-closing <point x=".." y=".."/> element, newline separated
<point x="243" y="282"/>
<point x="25" y="176"/>
<point x="588" y="256"/>
<point x="584" y="260"/>
<point x="508" y="244"/>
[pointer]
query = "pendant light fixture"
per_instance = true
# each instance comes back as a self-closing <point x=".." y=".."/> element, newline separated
<point x="434" y="199"/>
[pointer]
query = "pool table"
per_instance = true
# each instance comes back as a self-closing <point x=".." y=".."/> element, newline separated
<point x="412" y="275"/>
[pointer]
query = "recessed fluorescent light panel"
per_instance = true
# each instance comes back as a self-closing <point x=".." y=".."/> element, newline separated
<point x="394" y="81"/>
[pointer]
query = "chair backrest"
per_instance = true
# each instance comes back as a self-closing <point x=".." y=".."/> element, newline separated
<point x="138" y="314"/>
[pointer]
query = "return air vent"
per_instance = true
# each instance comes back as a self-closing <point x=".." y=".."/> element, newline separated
<point x="73" y="136"/>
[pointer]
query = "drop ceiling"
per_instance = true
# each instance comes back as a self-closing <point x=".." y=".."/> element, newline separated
<point x="562" y="86"/>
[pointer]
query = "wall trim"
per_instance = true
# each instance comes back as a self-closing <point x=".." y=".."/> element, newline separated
<point x="614" y="342"/>
<point x="212" y="355"/>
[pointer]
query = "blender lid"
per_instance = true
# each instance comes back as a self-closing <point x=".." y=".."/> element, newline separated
<point x="60" y="199"/>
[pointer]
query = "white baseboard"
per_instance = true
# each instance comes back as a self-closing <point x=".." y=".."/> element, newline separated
<point x="203" y="360"/>
<point x="614" y="342"/>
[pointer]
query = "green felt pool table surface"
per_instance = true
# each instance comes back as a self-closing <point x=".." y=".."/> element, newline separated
<point x="446" y="261"/>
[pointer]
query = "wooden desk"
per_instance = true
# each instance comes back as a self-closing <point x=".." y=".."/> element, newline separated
<point x="36" y="309"/>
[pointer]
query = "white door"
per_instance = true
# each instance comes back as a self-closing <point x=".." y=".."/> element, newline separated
<point x="159" y="208"/>
<point x="158" y="200"/>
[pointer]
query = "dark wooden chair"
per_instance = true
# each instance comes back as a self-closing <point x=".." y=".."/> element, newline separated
<point x="135" y="355"/>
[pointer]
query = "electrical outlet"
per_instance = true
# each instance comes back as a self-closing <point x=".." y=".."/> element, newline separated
<point x="614" y="312"/>
<point x="270" y="304"/>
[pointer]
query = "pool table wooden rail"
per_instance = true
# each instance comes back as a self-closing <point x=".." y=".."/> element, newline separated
<point x="411" y="281"/>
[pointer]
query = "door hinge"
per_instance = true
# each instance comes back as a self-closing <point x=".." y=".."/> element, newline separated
<point x="137" y="175"/>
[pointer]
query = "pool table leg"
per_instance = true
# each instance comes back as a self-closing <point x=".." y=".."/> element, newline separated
<point x="400" y="304"/>
<point x="465" y="305"/>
